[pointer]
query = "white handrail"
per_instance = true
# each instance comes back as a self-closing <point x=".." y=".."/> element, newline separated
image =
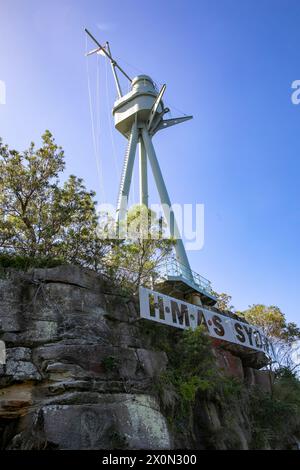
<point x="172" y="267"/>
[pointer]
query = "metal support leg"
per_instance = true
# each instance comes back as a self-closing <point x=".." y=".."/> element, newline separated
<point x="165" y="201"/>
<point x="113" y="68"/>
<point x="143" y="174"/>
<point x="127" y="174"/>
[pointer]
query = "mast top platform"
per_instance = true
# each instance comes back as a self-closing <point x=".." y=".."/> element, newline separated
<point x="136" y="104"/>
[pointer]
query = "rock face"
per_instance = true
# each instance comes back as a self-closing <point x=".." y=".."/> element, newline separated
<point x="115" y="420"/>
<point x="77" y="373"/>
<point x="80" y="371"/>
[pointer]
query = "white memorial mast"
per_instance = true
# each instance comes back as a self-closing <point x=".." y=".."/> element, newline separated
<point x="138" y="116"/>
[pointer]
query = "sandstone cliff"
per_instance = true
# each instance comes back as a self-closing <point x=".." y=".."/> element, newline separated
<point x="81" y="366"/>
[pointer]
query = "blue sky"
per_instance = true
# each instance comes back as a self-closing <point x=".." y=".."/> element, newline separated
<point x="228" y="63"/>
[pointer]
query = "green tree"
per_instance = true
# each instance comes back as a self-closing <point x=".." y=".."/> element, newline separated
<point x="135" y="260"/>
<point x="272" y="321"/>
<point x="285" y="335"/>
<point x="39" y="218"/>
<point x="223" y="301"/>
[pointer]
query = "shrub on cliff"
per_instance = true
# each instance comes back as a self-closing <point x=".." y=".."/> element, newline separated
<point x="285" y="335"/>
<point x="135" y="260"/>
<point x="44" y="223"/>
<point x="192" y="374"/>
<point x="38" y="217"/>
<point x="276" y="417"/>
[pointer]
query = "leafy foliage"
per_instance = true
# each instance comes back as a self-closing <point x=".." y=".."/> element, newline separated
<point x="223" y="301"/>
<point x="270" y="319"/>
<point x="43" y="223"/>
<point x="135" y="260"/>
<point x="285" y="335"/>
<point x="276" y="417"/>
<point x="19" y="262"/>
<point x="193" y="377"/>
<point x="193" y="372"/>
<point x="38" y="218"/>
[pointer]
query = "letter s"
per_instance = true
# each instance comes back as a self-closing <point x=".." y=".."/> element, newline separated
<point x="239" y="332"/>
<point x="219" y="330"/>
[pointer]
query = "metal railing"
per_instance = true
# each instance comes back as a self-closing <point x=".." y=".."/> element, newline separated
<point x="172" y="268"/>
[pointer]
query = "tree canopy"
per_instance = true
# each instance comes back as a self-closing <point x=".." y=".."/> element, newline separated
<point x="223" y="301"/>
<point x="285" y="335"/>
<point x="40" y="219"/>
<point x="272" y="321"/>
<point x="37" y="216"/>
<point x="144" y="250"/>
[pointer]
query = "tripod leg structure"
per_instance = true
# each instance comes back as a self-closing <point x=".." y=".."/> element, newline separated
<point x="127" y="175"/>
<point x="166" y="203"/>
<point x="143" y="174"/>
<point x="146" y="149"/>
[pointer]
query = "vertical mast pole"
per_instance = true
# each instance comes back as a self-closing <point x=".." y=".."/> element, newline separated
<point x="113" y="68"/>
<point x="108" y="55"/>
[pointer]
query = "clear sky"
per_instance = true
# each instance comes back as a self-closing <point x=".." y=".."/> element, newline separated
<point x="229" y="63"/>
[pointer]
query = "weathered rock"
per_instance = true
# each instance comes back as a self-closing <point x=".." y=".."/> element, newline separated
<point x="22" y="371"/>
<point x="91" y="359"/>
<point x="231" y="365"/>
<point x="263" y="379"/>
<point x="18" y="354"/>
<point x="15" y="400"/>
<point x="153" y="362"/>
<point x="39" y="332"/>
<point x="71" y="275"/>
<point x="249" y="357"/>
<point x="122" y="421"/>
<point x="10" y="301"/>
<point x="211" y="416"/>
<point x="249" y="376"/>
<point x="77" y="355"/>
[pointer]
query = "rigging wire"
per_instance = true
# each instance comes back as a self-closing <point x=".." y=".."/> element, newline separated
<point x="93" y="127"/>
<point x="131" y="198"/>
<point x="96" y="128"/>
<point x="157" y="82"/>
<point x="116" y="163"/>
<point x="98" y="133"/>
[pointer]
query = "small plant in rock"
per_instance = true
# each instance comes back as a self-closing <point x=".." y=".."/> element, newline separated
<point x="110" y="363"/>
